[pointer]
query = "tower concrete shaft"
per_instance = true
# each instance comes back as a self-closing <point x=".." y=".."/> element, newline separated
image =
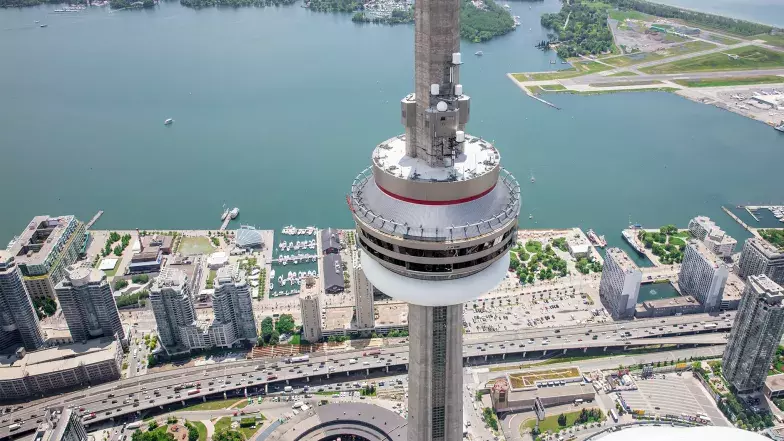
<point x="435" y="400"/>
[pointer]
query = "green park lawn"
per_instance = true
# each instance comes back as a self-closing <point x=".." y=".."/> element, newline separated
<point x="225" y="423"/>
<point x="748" y="58"/>
<point x="551" y="422"/>
<point x="773" y="40"/>
<point x="212" y="405"/>
<point x="644" y="57"/>
<point x="579" y="68"/>
<point x="632" y="15"/>
<point x="192" y="246"/>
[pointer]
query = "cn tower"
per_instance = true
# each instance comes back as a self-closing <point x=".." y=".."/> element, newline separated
<point x="436" y="216"/>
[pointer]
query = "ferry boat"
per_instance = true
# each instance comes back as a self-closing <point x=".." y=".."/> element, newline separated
<point x="630" y="234"/>
<point x="234" y="212"/>
<point x="225" y="213"/>
<point x="597" y="240"/>
<point x="168" y="122"/>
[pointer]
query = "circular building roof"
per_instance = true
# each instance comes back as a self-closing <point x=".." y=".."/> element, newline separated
<point x="363" y="421"/>
<point x="248" y="237"/>
<point x="665" y="433"/>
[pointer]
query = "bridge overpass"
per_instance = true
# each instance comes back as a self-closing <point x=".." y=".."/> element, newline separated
<point x="135" y="395"/>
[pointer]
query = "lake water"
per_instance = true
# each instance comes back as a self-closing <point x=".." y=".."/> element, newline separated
<point x="276" y="110"/>
<point x="761" y="11"/>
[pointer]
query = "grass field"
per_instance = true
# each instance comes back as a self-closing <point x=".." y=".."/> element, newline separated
<point x="202" y="430"/>
<point x="552" y="88"/>
<point x="550" y="422"/>
<point x="225" y="423"/>
<point x="748" y="58"/>
<point x="191" y="246"/>
<point x="579" y="68"/>
<point x="717" y="82"/>
<point x="632" y="15"/>
<point x="528" y="379"/>
<point x="644" y="57"/>
<point x="625" y="73"/>
<point x="212" y="405"/>
<point x="773" y="40"/>
<point x="720" y="39"/>
<point x="627" y="83"/>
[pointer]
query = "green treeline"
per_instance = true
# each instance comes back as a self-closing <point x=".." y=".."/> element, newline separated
<point x="123" y="4"/>
<point x="480" y="25"/>
<point x="397" y="17"/>
<point x="21" y="3"/>
<point x="234" y="3"/>
<point x="734" y="25"/>
<point x="586" y="33"/>
<point x="335" y="5"/>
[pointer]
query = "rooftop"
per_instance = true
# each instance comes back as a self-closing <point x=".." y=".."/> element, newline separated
<point x="337" y="318"/>
<point x="659" y="433"/>
<point x="622" y="259"/>
<point x="478" y="157"/>
<point x="56" y="359"/>
<point x="765" y="247"/>
<point x="391" y="314"/>
<point x="42" y="234"/>
<point x="706" y="253"/>
<point x="333" y="276"/>
<point x="170" y="278"/>
<point x="369" y="421"/>
<point x="775" y="382"/>
<point x="248" y="236"/>
<point x="763" y="286"/>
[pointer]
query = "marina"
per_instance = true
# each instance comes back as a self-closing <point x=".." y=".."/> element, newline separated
<point x="291" y="230"/>
<point x="294" y="259"/>
<point x="298" y="245"/>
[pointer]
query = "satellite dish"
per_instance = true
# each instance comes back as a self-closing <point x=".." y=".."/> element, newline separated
<point x="441" y="106"/>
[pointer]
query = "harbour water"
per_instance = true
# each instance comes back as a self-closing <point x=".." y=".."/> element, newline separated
<point x="277" y="109"/>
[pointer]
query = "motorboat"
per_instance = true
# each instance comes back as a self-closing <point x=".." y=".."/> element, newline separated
<point x="168" y="122"/>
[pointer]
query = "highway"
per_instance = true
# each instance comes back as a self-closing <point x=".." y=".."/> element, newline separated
<point x="136" y="394"/>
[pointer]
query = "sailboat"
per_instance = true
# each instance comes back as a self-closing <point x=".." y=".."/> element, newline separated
<point x="533" y="179"/>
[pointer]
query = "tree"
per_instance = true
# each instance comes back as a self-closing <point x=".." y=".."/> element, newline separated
<point x="274" y="338"/>
<point x="152" y="425"/>
<point x="285" y="324"/>
<point x="562" y="420"/>
<point x="193" y="432"/>
<point x="227" y="435"/>
<point x="118" y="250"/>
<point x="120" y="284"/>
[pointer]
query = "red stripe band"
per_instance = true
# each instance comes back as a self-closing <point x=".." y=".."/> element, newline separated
<point x="424" y="202"/>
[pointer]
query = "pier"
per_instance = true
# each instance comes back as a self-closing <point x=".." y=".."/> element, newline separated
<point x="225" y="223"/>
<point x="94" y="219"/>
<point x="738" y="220"/>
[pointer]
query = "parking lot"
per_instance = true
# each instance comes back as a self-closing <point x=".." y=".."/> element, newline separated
<point x="546" y="308"/>
<point x="673" y="395"/>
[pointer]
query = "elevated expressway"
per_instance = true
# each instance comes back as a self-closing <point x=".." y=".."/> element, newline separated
<point x="261" y="376"/>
